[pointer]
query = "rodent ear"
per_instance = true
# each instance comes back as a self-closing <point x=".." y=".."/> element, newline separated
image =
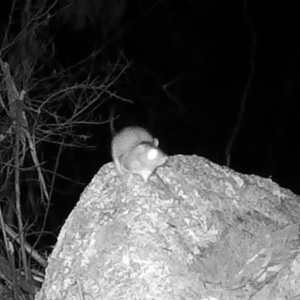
<point x="155" y="142"/>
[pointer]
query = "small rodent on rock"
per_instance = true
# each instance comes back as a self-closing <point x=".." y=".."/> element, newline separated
<point x="135" y="151"/>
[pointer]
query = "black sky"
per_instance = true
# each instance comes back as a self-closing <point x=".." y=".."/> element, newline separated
<point x="204" y="51"/>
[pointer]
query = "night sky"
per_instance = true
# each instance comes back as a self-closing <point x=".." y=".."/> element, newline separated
<point x="198" y="70"/>
<point x="195" y="65"/>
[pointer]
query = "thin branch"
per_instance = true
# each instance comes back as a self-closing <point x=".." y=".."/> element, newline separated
<point x="242" y="109"/>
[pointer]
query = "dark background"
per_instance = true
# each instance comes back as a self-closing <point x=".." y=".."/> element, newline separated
<point x="196" y="67"/>
<point x="203" y="51"/>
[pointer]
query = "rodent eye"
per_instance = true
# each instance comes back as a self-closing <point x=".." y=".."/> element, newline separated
<point x="152" y="154"/>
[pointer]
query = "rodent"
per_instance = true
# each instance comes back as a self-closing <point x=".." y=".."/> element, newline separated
<point x="135" y="151"/>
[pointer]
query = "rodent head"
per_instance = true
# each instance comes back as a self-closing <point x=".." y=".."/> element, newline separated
<point x="144" y="159"/>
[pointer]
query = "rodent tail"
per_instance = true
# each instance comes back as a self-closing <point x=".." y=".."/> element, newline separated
<point x="111" y="120"/>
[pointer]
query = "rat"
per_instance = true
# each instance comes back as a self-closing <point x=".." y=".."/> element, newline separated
<point x="135" y="151"/>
